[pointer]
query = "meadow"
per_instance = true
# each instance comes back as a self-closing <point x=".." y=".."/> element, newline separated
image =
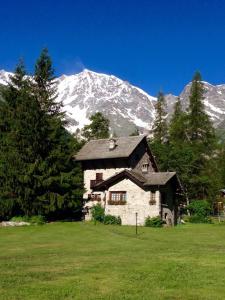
<point x="85" y="261"/>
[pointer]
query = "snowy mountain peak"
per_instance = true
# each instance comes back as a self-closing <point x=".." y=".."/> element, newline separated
<point x="4" y="77"/>
<point x="126" y="106"/>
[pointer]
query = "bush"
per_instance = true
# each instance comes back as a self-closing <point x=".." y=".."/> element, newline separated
<point x="98" y="213"/>
<point x="39" y="220"/>
<point x="199" y="208"/>
<point x="109" y="219"/>
<point x="199" y="219"/>
<point x="153" y="222"/>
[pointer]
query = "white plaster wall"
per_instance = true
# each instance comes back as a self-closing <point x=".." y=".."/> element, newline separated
<point x="137" y="201"/>
<point x="91" y="175"/>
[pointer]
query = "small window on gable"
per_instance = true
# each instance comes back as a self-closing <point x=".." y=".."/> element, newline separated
<point x="144" y="168"/>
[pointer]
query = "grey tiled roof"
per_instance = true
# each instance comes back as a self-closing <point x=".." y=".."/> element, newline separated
<point x="154" y="178"/>
<point x="159" y="178"/>
<point x="99" y="149"/>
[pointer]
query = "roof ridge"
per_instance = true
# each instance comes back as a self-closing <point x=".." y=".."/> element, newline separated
<point x="119" y="137"/>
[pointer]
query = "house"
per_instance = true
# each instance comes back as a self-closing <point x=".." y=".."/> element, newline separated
<point x="122" y="175"/>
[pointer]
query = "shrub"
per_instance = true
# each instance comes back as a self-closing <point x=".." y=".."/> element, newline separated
<point x="39" y="220"/>
<point x="98" y="213"/>
<point x="199" y="219"/>
<point x="109" y="219"/>
<point x="153" y="222"/>
<point x="199" y="208"/>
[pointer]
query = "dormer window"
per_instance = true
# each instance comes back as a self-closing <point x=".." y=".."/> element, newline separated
<point x="144" y="167"/>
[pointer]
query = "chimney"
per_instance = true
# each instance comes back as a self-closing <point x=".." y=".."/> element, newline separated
<point x="112" y="143"/>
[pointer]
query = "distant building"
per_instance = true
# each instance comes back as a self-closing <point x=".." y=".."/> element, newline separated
<point x="122" y="175"/>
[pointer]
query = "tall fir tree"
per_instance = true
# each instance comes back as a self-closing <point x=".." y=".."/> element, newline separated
<point x="38" y="174"/>
<point x="160" y="125"/>
<point x="178" y="124"/>
<point x="45" y="85"/>
<point x="61" y="178"/>
<point x="200" y="129"/>
<point x="21" y="140"/>
<point x="202" y="140"/>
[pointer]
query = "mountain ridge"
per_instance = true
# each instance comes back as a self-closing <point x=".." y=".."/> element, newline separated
<point x="126" y="106"/>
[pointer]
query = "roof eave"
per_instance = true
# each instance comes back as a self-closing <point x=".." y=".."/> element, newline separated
<point x="104" y="158"/>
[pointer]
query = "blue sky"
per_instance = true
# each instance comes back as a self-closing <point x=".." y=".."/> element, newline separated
<point x="152" y="44"/>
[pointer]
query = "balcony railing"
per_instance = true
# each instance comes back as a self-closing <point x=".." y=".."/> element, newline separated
<point x="94" y="197"/>
<point x="118" y="202"/>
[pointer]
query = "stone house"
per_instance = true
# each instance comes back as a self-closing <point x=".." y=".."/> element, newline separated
<point x="122" y="175"/>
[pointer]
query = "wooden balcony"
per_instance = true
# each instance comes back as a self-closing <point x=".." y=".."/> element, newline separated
<point x="94" y="197"/>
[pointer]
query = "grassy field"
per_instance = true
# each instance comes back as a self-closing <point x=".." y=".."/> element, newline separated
<point x="84" y="261"/>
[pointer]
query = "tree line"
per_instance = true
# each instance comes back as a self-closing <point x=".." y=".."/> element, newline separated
<point x="189" y="145"/>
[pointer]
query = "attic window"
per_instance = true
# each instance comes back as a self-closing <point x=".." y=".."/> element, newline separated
<point x="144" y="168"/>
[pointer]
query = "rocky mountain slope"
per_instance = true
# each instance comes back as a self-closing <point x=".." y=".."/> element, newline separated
<point x="214" y="101"/>
<point x="126" y="106"/>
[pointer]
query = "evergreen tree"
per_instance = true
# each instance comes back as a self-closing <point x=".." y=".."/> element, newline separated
<point x="20" y="140"/>
<point x="98" y="128"/>
<point x="178" y="125"/>
<point x="45" y="87"/>
<point x="38" y="174"/>
<point x="160" y="125"/>
<point x="200" y="129"/>
<point x="60" y="177"/>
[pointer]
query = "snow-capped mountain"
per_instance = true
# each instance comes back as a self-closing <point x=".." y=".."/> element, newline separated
<point x="4" y="77"/>
<point x="126" y="106"/>
<point x="214" y="101"/>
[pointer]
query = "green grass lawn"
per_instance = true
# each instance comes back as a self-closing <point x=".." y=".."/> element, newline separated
<point x="84" y="261"/>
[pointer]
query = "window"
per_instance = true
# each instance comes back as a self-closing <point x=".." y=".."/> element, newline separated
<point x="117" y="198"/>
<point x="99" y="176"/>
<point x="98" y="179"/>
<point x="152" y="198"/>
<point x="144" y="168"/>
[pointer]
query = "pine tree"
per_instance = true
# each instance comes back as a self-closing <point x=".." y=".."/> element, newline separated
<point x="160" y="125"/>
<point x="200" y="129"/>
<point x="98" y="128"/>
<point x="38" y="174"/>
<point x="61" y="185"/>
<point x="178" y="124"/>
<point x="201" y="136"/>
<point x="45" y="85"/>
<point x="20" y="143"/>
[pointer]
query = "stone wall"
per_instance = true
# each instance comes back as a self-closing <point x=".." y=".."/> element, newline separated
<point x="137" y="201"/>
<point x="91" y="175"/>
